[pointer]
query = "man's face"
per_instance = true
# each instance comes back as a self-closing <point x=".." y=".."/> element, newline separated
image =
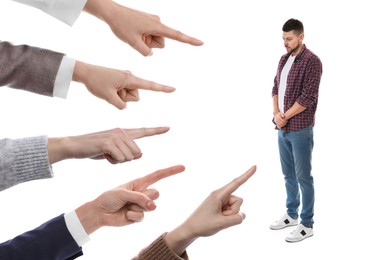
<point x="292" y="41"/>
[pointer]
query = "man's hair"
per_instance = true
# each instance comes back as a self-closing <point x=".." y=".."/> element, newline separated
<point x="293" y="25"/>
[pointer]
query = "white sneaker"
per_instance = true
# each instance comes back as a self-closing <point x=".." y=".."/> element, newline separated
<point x="285" y="221"/>
<point x="300" y="233"/>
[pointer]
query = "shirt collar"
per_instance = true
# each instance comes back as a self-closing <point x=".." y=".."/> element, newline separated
<point x="298" y="57"/>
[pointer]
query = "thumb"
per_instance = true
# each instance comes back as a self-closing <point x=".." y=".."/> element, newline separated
<point x="235" y="219"/>
<point x="135" y="197"/>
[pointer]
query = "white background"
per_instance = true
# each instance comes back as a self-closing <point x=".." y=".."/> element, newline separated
<point x="220" y="119"/>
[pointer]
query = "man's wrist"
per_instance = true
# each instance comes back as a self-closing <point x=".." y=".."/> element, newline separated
<point x="89" y="217"/>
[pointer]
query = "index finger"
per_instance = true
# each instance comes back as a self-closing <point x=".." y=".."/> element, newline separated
<point x="237" y="182"/>
<point x="161" y="174"/>
<point x="136" y="133"/>
<point x="173" y="34"/>
<point x="150" y="85"/>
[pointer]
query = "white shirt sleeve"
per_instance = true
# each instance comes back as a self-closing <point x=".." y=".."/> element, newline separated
<point x="76" y="229"/>
<point x="66" y="11"/>
<point x="64" y="77"/>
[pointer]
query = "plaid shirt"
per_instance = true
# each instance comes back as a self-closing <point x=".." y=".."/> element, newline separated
<point x="302" y="86"/>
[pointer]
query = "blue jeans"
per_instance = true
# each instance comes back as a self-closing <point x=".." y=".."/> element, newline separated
<point x="295" y="153"/>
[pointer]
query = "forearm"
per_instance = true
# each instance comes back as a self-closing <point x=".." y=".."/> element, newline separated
<point x="81" y="72"/>
<point x="69" y="147"/>
<point x="275" y="105"/>
<point x="102" y="9"/>
<point x="57" y="150"/>
<point x="89" y="217"/>
<point x="179" y="239"/>
<point x="294" y="110"/>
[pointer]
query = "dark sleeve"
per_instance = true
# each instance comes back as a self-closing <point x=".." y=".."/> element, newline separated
<point x="50" y="241"/>
<point x="29" y="68"/>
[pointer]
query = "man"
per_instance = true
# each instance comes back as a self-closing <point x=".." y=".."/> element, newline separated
<point x="295" y="99"/>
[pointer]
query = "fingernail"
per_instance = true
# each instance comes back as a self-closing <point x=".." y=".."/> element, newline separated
<point x="242" y="215"/>
<point x="151" y="205"/>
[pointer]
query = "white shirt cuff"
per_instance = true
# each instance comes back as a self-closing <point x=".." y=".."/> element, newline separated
<point x="64" y="77"/>
<point x="76" y="228"/>
<point x="66" y="11"/>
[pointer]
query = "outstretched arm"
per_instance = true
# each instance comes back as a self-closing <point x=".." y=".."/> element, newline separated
<point x="125" y="204"/>
<point x="121" y="206"/>
<point x="220" y="210"/>
<point x="115" y="145"/>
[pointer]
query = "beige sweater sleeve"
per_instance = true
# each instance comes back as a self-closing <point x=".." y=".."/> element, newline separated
<point x="159" y="250"/>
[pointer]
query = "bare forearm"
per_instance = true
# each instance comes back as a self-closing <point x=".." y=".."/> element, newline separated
<point x="61" y="148"/>
<point x="89" y="217"/>
<point x="56" y="150"/>
<point x="80" y="71"/>
<point x="294" y="110"/>
<point x="275" y="105"/>
<point x="102" y="9"/>
<point x="179" y="239"/>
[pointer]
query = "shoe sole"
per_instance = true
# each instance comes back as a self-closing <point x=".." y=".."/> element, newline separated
<point x="294" y="241"/>
<point x="279" y="228"/>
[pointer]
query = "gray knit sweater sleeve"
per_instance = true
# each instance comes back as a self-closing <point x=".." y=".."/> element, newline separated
<point x="23" y="160"/>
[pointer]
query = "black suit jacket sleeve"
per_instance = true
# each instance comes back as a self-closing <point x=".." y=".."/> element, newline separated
<point x="29" y="68"/>
<point x="50" y="241"/>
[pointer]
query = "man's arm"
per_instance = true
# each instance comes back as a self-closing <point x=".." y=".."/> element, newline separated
<point x="275" y="105"/>
<point x="51" y="240"/>
<point x="310" y="90"/>
<point x="294" y="110"/>
<point x="121" y="206"/>
<point x="278" y="118"/>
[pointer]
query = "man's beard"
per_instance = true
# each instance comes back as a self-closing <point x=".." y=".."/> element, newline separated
<point x="295" y="49"/>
